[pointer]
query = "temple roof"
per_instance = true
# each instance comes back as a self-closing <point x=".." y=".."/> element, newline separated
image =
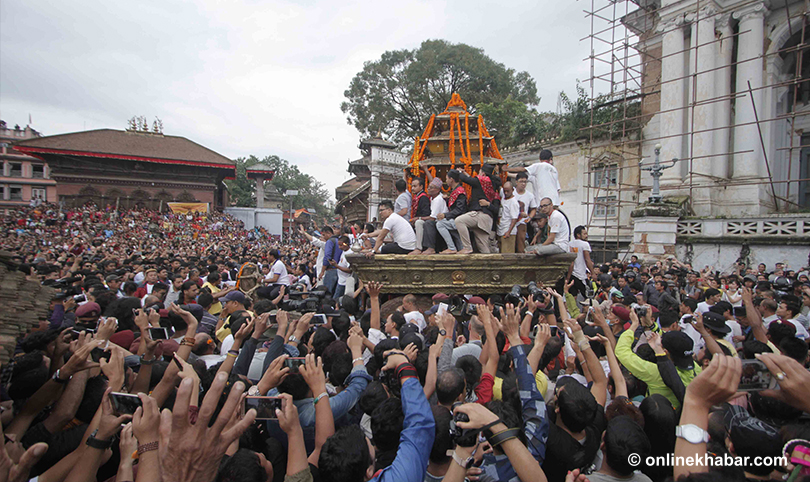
<point x="127" y="145"/>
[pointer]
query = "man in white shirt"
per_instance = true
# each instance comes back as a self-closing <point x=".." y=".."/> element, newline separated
<point x="712" y="297"/>
<point x="402" y="205"/>
<point x="579" y="269"/>
<point x="437" y="206"/>
<point x="404" y="238"/>
<point x="528" y="208"/>
<point x="344" y="271"/>
<point x="412" y="313"/>
<point x="790" y="311"/>
<point x="509" y="216"/>
<point x="543" y="176"/>
<point x="559" y="231"/>
<point x="326" y="233"/>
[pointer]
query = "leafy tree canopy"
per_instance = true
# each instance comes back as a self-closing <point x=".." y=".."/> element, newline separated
<point x="398" y="93"/>
<point x="311" y="193"/>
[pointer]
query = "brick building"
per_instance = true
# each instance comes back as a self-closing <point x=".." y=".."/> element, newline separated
<point x="131" y="169"/>
<point x="22" y="177"/>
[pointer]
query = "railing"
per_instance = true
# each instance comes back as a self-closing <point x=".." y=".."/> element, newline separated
<point x="776" y="226"/>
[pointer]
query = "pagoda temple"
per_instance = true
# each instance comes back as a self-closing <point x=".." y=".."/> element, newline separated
<point x="453" y="139"/>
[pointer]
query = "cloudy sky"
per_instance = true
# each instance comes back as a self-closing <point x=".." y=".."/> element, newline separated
<point x="254" y="77"/>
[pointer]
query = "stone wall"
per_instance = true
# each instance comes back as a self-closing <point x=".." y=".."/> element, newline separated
<point x="25" y="304"/>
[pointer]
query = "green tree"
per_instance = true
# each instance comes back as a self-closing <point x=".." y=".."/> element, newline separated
<point x="397" y="93"/>
<point x="311" y="192"/>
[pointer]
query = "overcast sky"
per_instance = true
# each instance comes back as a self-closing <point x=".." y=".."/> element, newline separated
<point x="254" y="77"/>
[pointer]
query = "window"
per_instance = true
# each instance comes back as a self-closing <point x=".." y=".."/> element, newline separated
<point x="15" y="169"/>
<point x="16" y="193"/>
<point x="2" y="192"/>
<point x="39" y="192"/>
<point x="606" y="176"/>
<point x="37" y="171"/>
<point x="605" y="207"/>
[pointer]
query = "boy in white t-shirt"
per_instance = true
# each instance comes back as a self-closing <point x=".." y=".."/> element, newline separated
<point x="509" y="216"/>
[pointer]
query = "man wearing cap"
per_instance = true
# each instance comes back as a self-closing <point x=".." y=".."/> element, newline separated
<point x="483" y="209"/>
<point x="438" y="207"/>
<point x="543" y="176"/>
<point x="87" y="316"/>
<point x="420" y="209"/>
<point x="715" y="326"/>
<point x="233" y="314"/>
<point x="113" y="283"/>
<point x="751" y="440"/>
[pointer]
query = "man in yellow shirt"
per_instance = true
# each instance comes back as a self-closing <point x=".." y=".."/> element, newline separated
<point x="212" y="283"/>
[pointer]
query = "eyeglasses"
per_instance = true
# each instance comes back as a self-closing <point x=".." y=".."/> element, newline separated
<point x="545" y="205"/>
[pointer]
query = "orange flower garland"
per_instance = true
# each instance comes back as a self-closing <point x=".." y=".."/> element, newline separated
<point x="452" y="149"/>
<point x="481" y="138"/>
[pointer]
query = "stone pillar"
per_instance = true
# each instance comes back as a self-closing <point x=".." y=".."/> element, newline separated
<point x="259" y="192"/>
<point x="655" y="229"/>
<point x="673" y="97"/>
<point x="750" y="46"/>
<point x="705" y="50"/>
<point x="722" y="108"/>
<point x="374" y="196"/>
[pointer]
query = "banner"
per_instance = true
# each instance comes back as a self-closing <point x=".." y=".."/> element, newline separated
<point x="182" y="208"/>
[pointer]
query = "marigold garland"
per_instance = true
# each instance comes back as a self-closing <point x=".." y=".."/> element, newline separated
<point x="481" y="138"/>
<point x="452" y="149"/>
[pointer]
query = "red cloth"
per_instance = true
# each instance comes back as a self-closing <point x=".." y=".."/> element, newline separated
<point x="486" y="185"/>
<point x="458" y="191"/>
<point x="484" y="389"/>
<point x="415" y="203"/>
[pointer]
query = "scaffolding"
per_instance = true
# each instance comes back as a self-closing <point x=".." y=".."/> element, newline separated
<point x="625" y="94"/>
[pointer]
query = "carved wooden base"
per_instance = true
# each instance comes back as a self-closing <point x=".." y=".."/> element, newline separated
<point x="459" y="274"/>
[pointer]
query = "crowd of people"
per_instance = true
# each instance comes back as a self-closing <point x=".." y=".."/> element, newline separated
<point x="153" y="365"/>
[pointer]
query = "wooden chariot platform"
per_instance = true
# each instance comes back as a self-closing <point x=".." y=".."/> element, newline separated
<point x="459" y="274"/>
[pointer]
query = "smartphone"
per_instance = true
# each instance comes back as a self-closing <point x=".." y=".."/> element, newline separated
<point x="159" y="333"/>
<point x="553" y="331"/>
<point x="294" y="363"/>
<point x="97" y="354"/>
<point x="124" y="403"/>
<point x="265" y="407"/>
<point x="318" y="319"/>
<point x="689" y="319"/>
<point x="755" y="377"/>
<point x="442" y="309"/>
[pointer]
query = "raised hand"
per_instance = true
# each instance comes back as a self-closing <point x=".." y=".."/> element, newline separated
<point x="717" y="383"/>
<point x="411" y="352"/>
<point x="312" y="371"/>
<point x="794" y="380"/>
<point x="195" y="451"/>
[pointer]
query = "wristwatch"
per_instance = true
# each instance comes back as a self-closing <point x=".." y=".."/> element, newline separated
<point x="443" y="332"/>
<point x="692" y="433"/>
<point x="464" y="463"/>
<point x="292" y="338"/>
<point x="60" y="380"/>
<point x="92" y="441"/>
<point x="253" y="391"/>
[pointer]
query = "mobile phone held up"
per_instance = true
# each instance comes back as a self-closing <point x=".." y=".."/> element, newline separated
<point x="318" y="319"/>
<point x="98" y="353"/>
<point x="159" y="333"/>
<point x="124" y="403"/>
<point x="265" y="407"/>
<point x="294" y="363"/>
<point x="755" y="376"/>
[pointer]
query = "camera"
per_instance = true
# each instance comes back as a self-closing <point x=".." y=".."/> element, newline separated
<point x="514" y="296"/>
<point x="80" y="298"/>
<point x="641" y="311"/>
<point x="537" y="293"/>
<point x="462" y="437"/>
<point x="297" y="302"/>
